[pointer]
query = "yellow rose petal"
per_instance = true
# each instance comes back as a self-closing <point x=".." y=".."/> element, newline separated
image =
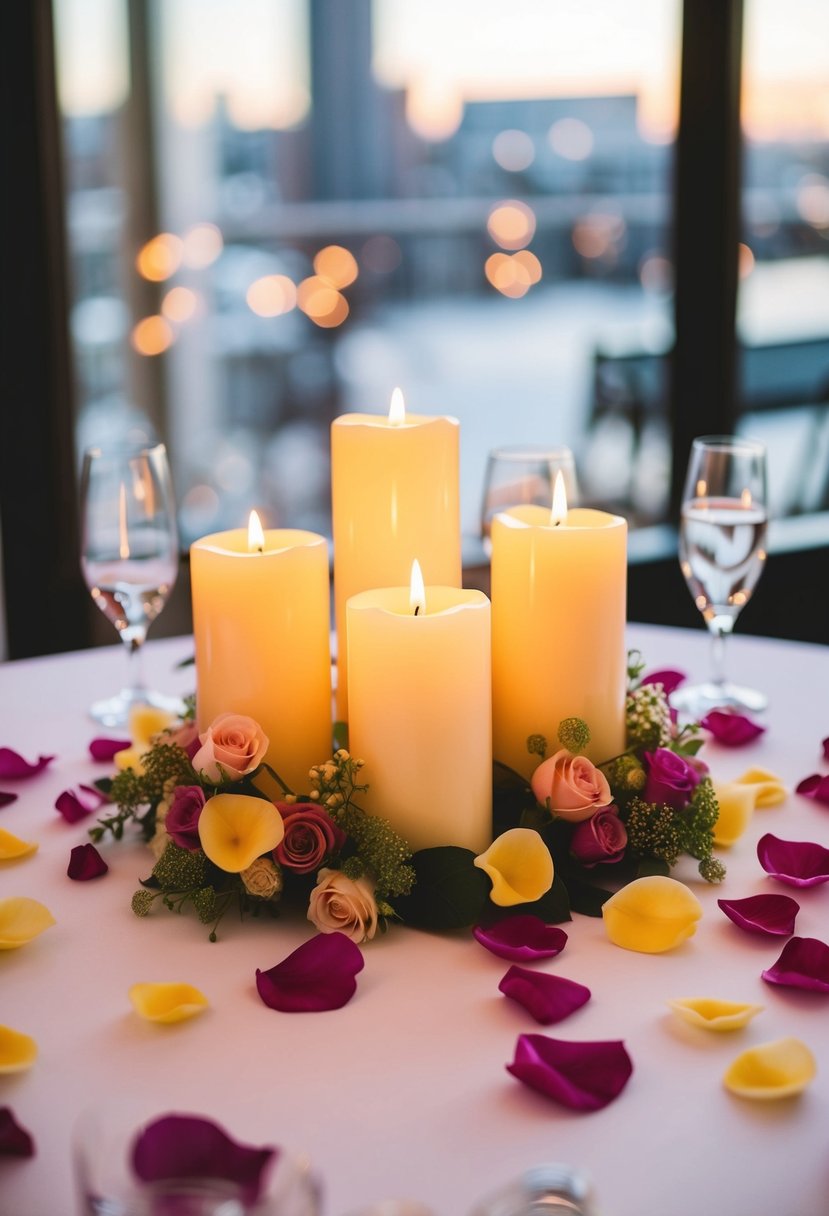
<point x="736" y="802"/>
<point x="769" y="789"/>
<point x="21" y="920"/>
<point x="145" y="723"/>
<point x="712" y="1014"/>
<point x="12" y="848"/>
<point x="17" y="1051"/>
<point x="651" y="915"/>
<point x="772" y="1070"/>
<point x="130" y="757"/>
<point x="520" y="866"/>
<point x="235" y="829"/>
<point x="167" y="1002"/>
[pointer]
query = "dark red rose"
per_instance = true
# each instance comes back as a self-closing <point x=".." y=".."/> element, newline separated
<point x="602" y="838"/>
<point x="310" y="837"/>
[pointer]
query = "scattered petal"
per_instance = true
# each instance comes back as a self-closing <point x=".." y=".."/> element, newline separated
<point x="803" y="963"/>
<point x="815" y="787"/>
<point x="738" y="800"/>
<point x="731" y="729"/>
<point x="582" y="1076"/>
<point x="21" y="920"/>
<point x="711" y="1014"/>
<point x="799" y="863"/>
<point x="103" y="750"/>
<point x="235" y="829"/>
<point x="86" y="862"/>
<point x="771" y="1070"/>
<point x="770" y="915"/>
<point x="12" y="848"/>
<point x="319" y="974"/>
<point x="145" y="723"/>
<point x="76" y="806"/>
<point x="768" y="788"/>
<point x="549" y="998"/>
<point x="17" y="1051"/>
<point x="7" y="799"/>
<point x="187" y="1146"/>
<point x="825" y="745"/>
<point x="130" y="757"/>
<point x="521" y="938"/>
<point x="668" y="678"/>
<point x="14" y="768"/>
<point x="167" y="1002"/>
<point x="520" y="866"/>
<point x="15" y="1141"/>
<point x="651" y="914"/>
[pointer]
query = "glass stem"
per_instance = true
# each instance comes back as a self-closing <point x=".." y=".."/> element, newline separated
<point x="718" y="636"/>
<point x="134" y="645"/>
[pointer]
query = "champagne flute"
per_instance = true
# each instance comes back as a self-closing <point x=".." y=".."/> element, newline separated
<point x="722" y="552"/>
<point x="524" y="475"/>
<point x="129" y="556"/>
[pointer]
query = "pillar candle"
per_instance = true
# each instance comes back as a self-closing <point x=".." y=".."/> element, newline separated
<point x="419" y="710"/>
<point x="395" y="497"/>
<point x="261" y="620"/>
<point x="558" y="630"/>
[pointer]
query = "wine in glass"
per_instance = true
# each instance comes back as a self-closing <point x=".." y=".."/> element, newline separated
<point x="522" y="475"/>
<point x="129" y="556"/>
<point x="722" y="551"/>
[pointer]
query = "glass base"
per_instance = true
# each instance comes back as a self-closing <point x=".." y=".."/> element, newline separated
<point x="696" y="700"/>
<point x="115" y="711"/>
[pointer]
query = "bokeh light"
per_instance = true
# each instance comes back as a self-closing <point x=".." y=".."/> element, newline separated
<point x="321" y="302"/>
<point x="160" y="257"/>
<point x="745" y="263"/>
<point x="598" y="234"/>
<point x="656" y="274"/>
<point x="203" y="244"/>
<point x="513" y="150"/>
<point x="152" y="335"/>
<point x="271" y="295"/>
<point x="179" y="304"/>
<point x="571" y="138"/>
<point x="381" y="254"/>
<point x="509" y="275"/>
<point x="336" y="265"/>
<point x="813" y="200"/>
<point x="511" y="224"/>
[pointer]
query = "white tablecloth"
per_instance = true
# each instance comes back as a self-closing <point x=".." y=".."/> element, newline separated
<point x="403" y="1092"/>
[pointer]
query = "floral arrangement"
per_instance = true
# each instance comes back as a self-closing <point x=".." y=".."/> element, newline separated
<point x="226" y="831"/>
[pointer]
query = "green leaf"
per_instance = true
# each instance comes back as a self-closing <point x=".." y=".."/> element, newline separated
<point x="552" y="908"/>
<point x="104" y="784"/>
<point x="449" y="891"/>
<point x="585" y="897"/>
<point x="511" y="797"/>
<point x="340" y="736"/>
<point x="691" y="747"/>
<point x="649" y="866"/>
<point x="186" y="663"/>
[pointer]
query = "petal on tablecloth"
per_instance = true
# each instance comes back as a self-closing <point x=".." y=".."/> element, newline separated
<point x="799" y="863"/>
<point x="548" y="998"/>
<point x="320" y="974"/>
<point x="581" y="1076"/>
<point x="770" y="915"/>
<point x="521" y="938"/>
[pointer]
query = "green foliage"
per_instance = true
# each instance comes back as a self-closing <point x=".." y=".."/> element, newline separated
<point x="179" y="869"/>
<point x="648" y="718"/>
<point x="574" y="734"/>
<point x="380" y="850"/>
<point x="537" y="745"/>
<point x="449" y="890"/>
<point x="142" y="902"/>
<point x="636" y="665"/>
<point x="658" y="831"/>
<point x="132" y="792"/>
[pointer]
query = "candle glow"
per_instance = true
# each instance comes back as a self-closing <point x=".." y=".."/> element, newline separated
<point x="558" y="513"/>
<point x="256" y="537"/>
<point x="417" y="591"/>
<point x="397" y="408"/>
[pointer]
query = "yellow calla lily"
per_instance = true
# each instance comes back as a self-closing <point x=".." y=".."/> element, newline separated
<point x="737" y="801"/>
<point x="520" y="866"/>
<point x="771" y="1071"/>
<point x="17" y="1051"/>
<point x="145" y="723"/>
<point x="651" y="914"/>
<point x="167" y="1002"/>
<point x="12" y="848"/>
<point x="235" y="829"/>
<point x="21" y="920"/>
<point x="711" y="1014"/>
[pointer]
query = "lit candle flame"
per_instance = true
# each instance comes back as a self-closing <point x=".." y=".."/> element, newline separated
<point x="123" y="536"/>
<point x="417" y="592"/>
<point x="745" y="498"/>
<point x="256" y="537"/>
<point x="397" y="409"/>
<point x="558" y="514"/>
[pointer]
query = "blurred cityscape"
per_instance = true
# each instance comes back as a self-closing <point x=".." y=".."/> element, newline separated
<point x="515" y="274"/>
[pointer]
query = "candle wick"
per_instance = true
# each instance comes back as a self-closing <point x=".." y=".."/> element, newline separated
<point x="417" y="609"/>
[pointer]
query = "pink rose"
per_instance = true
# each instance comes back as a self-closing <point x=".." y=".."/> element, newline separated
<point x="182" y="820"/>
<point x="232" y="746"/>
<point x="671" y="778"/>
<point x="310" y="836"/>
<point x="185" y="736"/>
<point x="571" y="786"/>
<point x="601" y="838"/>
<point x="343" y="905"/>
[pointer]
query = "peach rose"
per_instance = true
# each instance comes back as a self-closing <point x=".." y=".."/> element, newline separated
<point x="570" y="786"/>
<point x="339" y="904"/>
<point x="233" y="743"/>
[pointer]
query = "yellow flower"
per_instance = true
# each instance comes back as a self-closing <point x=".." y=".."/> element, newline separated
<point x="145" y="723"/>
<point x="711" y="1014"/>
<point x="17" y="1051"/>
<point x="651" y="915"/>
<point x="167" y="1002"/>
<point x="738" y="800"/>
<point x="520" y="866"/>
<point x="235" y="829"/>
<point x="771" y="1070"/>
<point x="21" y="920"/>
<point x="12" y="848"/>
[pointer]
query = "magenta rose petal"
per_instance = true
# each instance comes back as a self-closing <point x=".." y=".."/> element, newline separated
<point x="582" y="1076"/>
<point x="815" y="787"/>
<point x="799" y="863"/>
<point x="86" y="862"/>
<point x="668" y="678"/>
<point x="803" y="963"/>
<point x="825" y="745"/>
<point x="549" y="998"/>
<point x="103" y="750"/>
<point x="76" y="806"/>
<point x="731" y="729"/>
<point x="768" y="915"/>
<point x="320" y="974"/>
<point x="14" y="768"/>
<point x="7" y="799"/>
<point x="187" y="1146"/>
<point x="15" y="1141"/>
<point x="521" y="938"/>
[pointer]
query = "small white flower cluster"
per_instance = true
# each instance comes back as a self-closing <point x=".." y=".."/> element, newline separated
<point x="333" y="783"/>
<point x="648" y="717"/>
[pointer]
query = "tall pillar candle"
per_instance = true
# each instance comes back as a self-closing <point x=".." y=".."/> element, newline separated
<point x="395" y="498"/>
<point x="420" y="712"/>
<point x="261" y="620"/>
<point x="558" y="630"/>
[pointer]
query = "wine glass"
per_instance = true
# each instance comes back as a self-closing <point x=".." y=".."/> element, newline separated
<point x="722" y="551"/>
<point x="129" y="556"/>
<point x="524" y="475"/>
